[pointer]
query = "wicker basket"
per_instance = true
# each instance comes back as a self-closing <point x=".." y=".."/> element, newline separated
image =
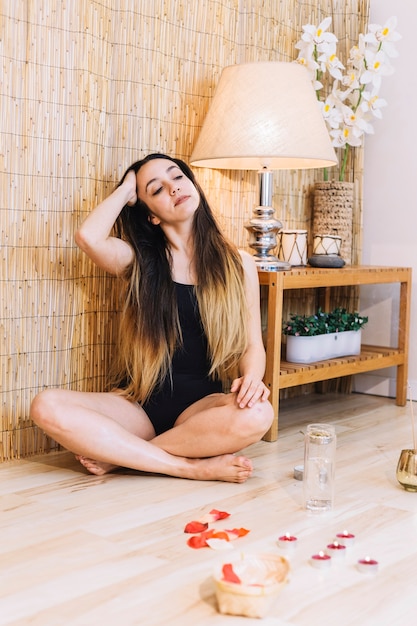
<point x="333" y="213"/>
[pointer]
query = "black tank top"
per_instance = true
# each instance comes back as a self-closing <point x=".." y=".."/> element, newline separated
<point x="191" y="357"/>
<point x="190" y="367"/>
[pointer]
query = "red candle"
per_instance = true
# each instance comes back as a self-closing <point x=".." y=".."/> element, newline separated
<point x="321" y="560"/>
<point x="345" y="538"/>
<point x="367" y="565"/>
<point x="336" y="549"/>
<point x="287" y="541"/>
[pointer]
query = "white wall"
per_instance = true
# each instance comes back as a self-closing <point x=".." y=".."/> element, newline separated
<point x="390" y="211"/>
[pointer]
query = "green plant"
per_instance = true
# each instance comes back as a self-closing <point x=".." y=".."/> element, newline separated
<point x="321" y="323"/>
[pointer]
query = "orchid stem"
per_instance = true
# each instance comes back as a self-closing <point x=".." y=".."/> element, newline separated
<point x="344" y="162"/>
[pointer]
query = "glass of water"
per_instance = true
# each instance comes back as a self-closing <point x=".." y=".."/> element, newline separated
<point x="319" y="467"/>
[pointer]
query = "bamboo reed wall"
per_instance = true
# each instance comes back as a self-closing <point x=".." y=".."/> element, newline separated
<point x="87" y="88"/>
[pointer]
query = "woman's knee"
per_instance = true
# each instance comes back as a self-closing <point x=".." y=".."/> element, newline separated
<point x="263" y="416"/>
<point x="43" y="409"/>
<point x="255" y="421"/>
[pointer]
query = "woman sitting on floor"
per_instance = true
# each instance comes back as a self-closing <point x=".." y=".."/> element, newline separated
<point x="190" y="324"/>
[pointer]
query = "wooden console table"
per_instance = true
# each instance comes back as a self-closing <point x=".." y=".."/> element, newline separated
<point x="281" y="375"/>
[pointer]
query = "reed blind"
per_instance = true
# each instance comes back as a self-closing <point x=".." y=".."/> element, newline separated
<point x="88" y="87"/>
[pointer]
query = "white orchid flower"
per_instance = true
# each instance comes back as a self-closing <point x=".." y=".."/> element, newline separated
<point x="331" y="112"/>
<point x="385" y="36"/>
<point x="306" y="48"/>
<point x="351" y="79"/>
<point x="310" y="64"/>
<point x="372" y="103"/>
<point x="318" y="35"/>
<point x="376" y="67"/>
<point x="357" y="53"/>
<point x="361" y="125"/>
<point x="337" y="95"/>
<point x="331" y="64"/>
<point x="328" y="48"/>
<point x="345" y="136"/>
<point x="353" y="128"/>
<point x="349" y="117"/>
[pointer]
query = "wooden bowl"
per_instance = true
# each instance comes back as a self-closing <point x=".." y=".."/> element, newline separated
<point x="261" y="576"/>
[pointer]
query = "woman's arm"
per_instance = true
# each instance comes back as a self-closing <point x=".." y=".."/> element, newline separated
<point x="93" y="236"/>
<point x="250" y="387"/>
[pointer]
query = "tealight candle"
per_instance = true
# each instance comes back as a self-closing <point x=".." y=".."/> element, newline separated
<point x="321" y="560"/>
<point x="336" y="549"/>
<point x="287" y="541"/>
<point x="345" y="538"/>
<point x="299" y="472"/>
<point x="367" y="565"/>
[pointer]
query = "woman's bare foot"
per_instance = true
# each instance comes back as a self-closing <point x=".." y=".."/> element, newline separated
<point x="227" y="468"/>
<point x="98" y="468"/>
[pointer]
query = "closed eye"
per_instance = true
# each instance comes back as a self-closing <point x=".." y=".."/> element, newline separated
<point x="157" y="191"/>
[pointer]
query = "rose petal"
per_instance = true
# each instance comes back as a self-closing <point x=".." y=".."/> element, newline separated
<point x="204" y="535"/>
<point x="219" y="544"/>
<point x="219" y="514"/>
<point x="213" y="516"/>
<point x="200" y="540"/>
<point x="195" y="527"/>
<point x="237" y="532"/>
<point x="229" y="574"/>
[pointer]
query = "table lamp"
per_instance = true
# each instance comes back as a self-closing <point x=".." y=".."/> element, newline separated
<point x="264" y="116"/>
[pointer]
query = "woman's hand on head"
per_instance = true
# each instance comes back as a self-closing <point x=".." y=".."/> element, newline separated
<point x="130" y="186"/>
<point x="249" y="390"/>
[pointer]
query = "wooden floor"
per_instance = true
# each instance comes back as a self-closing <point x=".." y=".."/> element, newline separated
<point x="80" y="550"/>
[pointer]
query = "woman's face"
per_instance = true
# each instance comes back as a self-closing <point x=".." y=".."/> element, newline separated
<point x="170" y="196"/>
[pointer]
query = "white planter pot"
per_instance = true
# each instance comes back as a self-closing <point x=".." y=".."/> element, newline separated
<point x="322" y="347"/>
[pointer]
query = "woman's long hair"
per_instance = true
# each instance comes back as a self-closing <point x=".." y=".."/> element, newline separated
<point x="149" y="330"/>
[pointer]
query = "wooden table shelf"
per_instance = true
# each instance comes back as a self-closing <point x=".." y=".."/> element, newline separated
<point x="281" y="374"/>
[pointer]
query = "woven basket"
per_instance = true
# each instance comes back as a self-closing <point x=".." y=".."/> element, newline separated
<point x="333" y="213"/>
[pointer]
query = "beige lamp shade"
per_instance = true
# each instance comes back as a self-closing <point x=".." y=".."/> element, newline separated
<point x="264" y="116"/>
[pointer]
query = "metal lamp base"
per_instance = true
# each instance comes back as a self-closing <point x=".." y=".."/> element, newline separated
<point x="263" y="229"/>
<point x="271" y="264"/>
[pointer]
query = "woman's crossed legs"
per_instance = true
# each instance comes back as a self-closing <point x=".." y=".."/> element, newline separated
<point x="105" y="430"/>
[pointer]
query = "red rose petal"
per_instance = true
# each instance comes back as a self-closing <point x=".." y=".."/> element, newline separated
<point x="200" y="529"/>
<point x="195" y="527"/>
<point x="197" y="541"/>
<point x="220" y="534"/>
<point x="238" y="532"/>
<point x="218" y="514"/>
<point x="200" y="540"/>
<point x="229" y="574"/>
